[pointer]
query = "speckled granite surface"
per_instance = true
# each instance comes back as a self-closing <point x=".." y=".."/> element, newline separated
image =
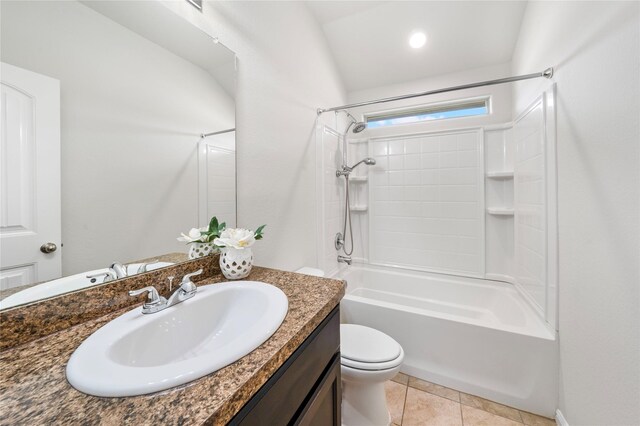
<point x="25" y="323"/>
<point x="33" y="388"/>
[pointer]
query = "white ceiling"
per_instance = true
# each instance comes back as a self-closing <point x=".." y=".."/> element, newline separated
<point x="369" y="39"/>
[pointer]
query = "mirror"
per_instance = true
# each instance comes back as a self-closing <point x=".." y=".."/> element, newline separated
<point x="104" y="105"/>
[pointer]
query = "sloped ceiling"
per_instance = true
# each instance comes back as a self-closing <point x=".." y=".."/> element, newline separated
<point x="369" y="39"/>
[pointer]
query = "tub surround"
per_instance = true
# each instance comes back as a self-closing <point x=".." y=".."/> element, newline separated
<point x="33" y="387"/>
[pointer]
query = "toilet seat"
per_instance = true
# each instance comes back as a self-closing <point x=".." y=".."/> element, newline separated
<point x="364" y="348"/>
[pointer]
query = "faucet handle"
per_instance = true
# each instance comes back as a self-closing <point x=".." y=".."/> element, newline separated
<point x="109" y="275"/>
<point x="145" y="265"/>
<point x="155" y="302"/>
<point x="119" y="269"/>
<point x="187" y="278"/>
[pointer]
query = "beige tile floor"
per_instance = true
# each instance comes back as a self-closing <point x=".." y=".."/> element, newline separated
<point x="415" y="402"/>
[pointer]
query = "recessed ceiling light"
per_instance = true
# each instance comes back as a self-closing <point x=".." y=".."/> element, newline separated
<point x="417" y="39"/>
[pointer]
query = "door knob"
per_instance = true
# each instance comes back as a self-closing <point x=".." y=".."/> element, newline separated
<point x="48" y="248"/>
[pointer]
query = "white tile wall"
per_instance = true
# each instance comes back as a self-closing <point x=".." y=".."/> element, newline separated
<point x="499" y="229"/>
<point x="359" y="196"/>
<point x="427" y="203"/>
<point x="220" y="190"/>
<point x="330" y="195"/>
<point x="530" y="205"/>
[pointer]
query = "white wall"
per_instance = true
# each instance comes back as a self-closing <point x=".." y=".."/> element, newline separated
<point x="131" y="117"/>
<point x="595" y="47"/>
<point x="285" y="72"/>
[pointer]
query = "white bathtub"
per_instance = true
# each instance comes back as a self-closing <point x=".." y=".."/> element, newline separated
<point x="477" y="336"/>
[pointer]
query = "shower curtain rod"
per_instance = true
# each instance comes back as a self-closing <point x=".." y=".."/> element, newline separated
<point x="548" y="73"/>
<point x="204" y="135"/>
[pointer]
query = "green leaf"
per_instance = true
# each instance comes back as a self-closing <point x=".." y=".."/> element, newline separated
<point x="213" y="224"/>
<point x="221" y="227"/>
<point x="258" y="233"/>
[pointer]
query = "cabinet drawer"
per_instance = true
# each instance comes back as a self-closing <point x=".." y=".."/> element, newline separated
<point x="291" y="387"/>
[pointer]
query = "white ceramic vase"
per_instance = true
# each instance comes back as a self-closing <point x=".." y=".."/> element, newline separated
<point x="236" y="264"/>
<point x="197" y="250"/>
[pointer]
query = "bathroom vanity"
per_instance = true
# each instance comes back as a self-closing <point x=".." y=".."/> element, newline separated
<point x="293" y="377"/>
<point x="306" y="389"/>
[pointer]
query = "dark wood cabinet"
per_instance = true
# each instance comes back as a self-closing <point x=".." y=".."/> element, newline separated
<point x="324" y="406"/>
<point x="306" y="390"/>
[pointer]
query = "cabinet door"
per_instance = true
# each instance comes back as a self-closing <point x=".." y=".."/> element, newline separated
<point x="323" y="409"/>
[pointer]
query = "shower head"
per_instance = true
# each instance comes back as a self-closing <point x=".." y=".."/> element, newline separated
<point x="369" y="161"/>
<point x="358" y="125"/>
<point x="346" y="170"/>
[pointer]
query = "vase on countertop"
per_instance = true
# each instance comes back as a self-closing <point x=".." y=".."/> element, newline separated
<point x="198" y="250"/>
<point x="236" y="263"/>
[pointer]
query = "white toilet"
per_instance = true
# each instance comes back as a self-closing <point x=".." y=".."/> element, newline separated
<point x="368" y="358"/>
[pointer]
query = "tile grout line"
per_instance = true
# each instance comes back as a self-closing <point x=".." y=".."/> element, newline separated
<point x="408" y="386"/>
<point x="404" y="404"/>
<point x="495" y="414"/>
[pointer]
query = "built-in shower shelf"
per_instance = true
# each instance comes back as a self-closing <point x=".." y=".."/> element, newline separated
<point x="358" y="178"/>
<point x="500" y="211"/>
<point x="359" y="208"/>
<point x="500" y="175"/>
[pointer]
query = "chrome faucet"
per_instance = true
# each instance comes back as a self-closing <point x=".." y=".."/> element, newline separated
<point x="119" y="269"/>
<point x="144" y="267"/>
<point x="114" y="272"/>
<point x="157" y="303"/>
<point x="344" y="259"/>
<point x="186" y="290"/>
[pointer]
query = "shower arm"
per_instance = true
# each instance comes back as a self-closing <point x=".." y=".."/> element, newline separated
<point x="548" y="73"/>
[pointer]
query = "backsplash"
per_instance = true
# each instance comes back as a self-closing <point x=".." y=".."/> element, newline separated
<point x="24" y="324"/>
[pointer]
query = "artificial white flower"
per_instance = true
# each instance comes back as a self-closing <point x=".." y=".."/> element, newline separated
<point x="237" y="238"/>
<point x="195" y="235"/>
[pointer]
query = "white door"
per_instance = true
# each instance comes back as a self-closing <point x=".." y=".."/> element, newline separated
<point x="29" y="177"/>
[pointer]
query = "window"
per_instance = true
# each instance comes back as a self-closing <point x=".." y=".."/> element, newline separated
<point x="458" y="109"/>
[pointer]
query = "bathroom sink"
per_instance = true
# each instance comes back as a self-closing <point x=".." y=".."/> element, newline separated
<point x="68" y="284"/>
<point x="137" y="354"/>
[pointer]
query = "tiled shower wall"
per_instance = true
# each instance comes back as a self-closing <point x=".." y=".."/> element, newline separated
<point x="427" y="202"/>
<point x="535" y="205"/>
<point x="217" y="180"/>
<point x="331" y="195"/>
<point x="422" y="206"/>
<point x="529" y="194"/>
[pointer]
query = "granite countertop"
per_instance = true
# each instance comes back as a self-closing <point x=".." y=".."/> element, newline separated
<point x="34" y="390"/>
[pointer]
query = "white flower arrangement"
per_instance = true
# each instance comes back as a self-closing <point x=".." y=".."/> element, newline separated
<point x="238" y="238"/>
<point x="220" y="236"/>
<point x="205" y="234"/>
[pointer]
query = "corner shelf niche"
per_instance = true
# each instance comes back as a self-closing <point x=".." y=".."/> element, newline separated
<point x="499" y="201"/>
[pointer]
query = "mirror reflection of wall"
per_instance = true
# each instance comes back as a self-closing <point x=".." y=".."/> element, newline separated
<point x="131" y="112"/>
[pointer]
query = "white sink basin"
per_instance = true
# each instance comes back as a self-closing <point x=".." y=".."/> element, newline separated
<point x="136" y="354"/>
<point x="67" y="284"/>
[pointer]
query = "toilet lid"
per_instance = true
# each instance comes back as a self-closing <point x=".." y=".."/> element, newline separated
<point x="367" y="345"/>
